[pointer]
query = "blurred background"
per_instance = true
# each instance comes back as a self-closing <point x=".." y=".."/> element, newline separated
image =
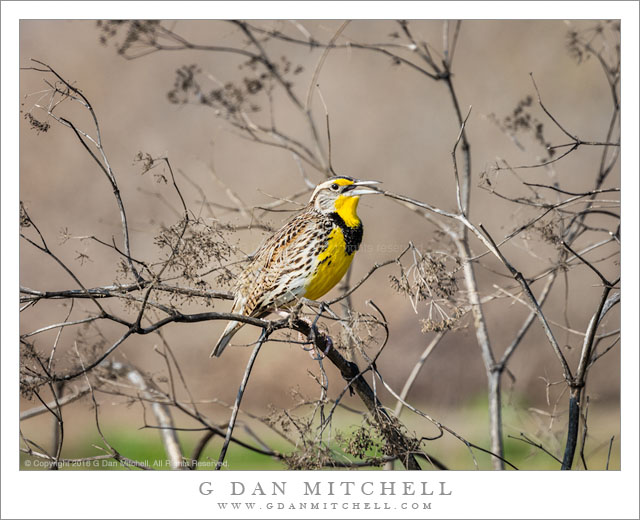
<point x="389" y="123"/>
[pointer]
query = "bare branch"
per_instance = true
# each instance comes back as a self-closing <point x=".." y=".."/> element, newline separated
<point x="530" y="442"/>
<point x="236" y="406"/>
<point x="67" y="399"/>
<point x="161" y="412"/>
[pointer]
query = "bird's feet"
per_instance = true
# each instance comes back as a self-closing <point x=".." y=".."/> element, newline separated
<point x="316" y="353"/>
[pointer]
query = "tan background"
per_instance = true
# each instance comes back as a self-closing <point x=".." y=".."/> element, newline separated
<point x="388" y="123"/>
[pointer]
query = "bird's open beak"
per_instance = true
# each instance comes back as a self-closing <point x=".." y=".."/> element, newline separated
<point x="361" y="188"/>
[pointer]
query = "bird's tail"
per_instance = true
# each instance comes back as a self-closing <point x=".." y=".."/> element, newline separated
<point x="229" y="332"/>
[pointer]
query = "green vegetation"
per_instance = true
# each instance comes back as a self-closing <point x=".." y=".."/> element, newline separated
<point x="354" y="442"/>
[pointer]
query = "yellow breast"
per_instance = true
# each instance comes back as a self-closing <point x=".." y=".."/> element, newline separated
<point x="332" y="265"/>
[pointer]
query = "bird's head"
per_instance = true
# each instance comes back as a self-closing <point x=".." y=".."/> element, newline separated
<point x="341" y="195"/>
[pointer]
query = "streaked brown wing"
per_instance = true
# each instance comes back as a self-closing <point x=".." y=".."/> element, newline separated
<point x="274" y="259"/>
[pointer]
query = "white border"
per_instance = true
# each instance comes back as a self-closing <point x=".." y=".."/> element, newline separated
<point x="486" y="495"/>
<point x="269" y="10"/>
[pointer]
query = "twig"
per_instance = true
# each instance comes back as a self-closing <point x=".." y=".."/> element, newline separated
<point x="577" y="385"/>
<point x="321" y="60"/>
<point x="527" y="440"/>
<point x="603" y="308"/>
<point x="541" y="317"/>
<point x="116" y="291"/>
<point x="60" y="326"/>
<point x="352" y="374"/>
<point x="372" y="270"/>
<point x="585" y="429"/>
<point x="45" y="249"/>
<point x="609" y="452"/>
<point x="55" y="343"/>
<point x="199" y="448"/>
<point x="571" y="136"/>
<point x="527" y="323"/>
<point x="160" y="410"/>
<point x="112" y="451"/>
<point x="236" y="406"/>
<point x="67" y="399"/>
<point x="105" y="167"/>
<point x="412" y="377"/>
<point x="588" y="264"/>
<point x="416" y="370"/>
<point x="442" y="427"/>
<point x="461" y="206"/>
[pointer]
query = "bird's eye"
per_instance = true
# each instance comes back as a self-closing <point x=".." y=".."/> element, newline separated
<point x="335" y="187"/>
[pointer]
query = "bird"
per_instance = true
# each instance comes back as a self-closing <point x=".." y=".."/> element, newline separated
<point x="305" y="258"/>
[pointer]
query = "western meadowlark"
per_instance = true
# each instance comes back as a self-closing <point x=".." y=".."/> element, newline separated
<point x="305" y="258"/>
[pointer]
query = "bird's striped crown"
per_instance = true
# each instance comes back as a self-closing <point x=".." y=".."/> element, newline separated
<point x="340" y="195"/>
